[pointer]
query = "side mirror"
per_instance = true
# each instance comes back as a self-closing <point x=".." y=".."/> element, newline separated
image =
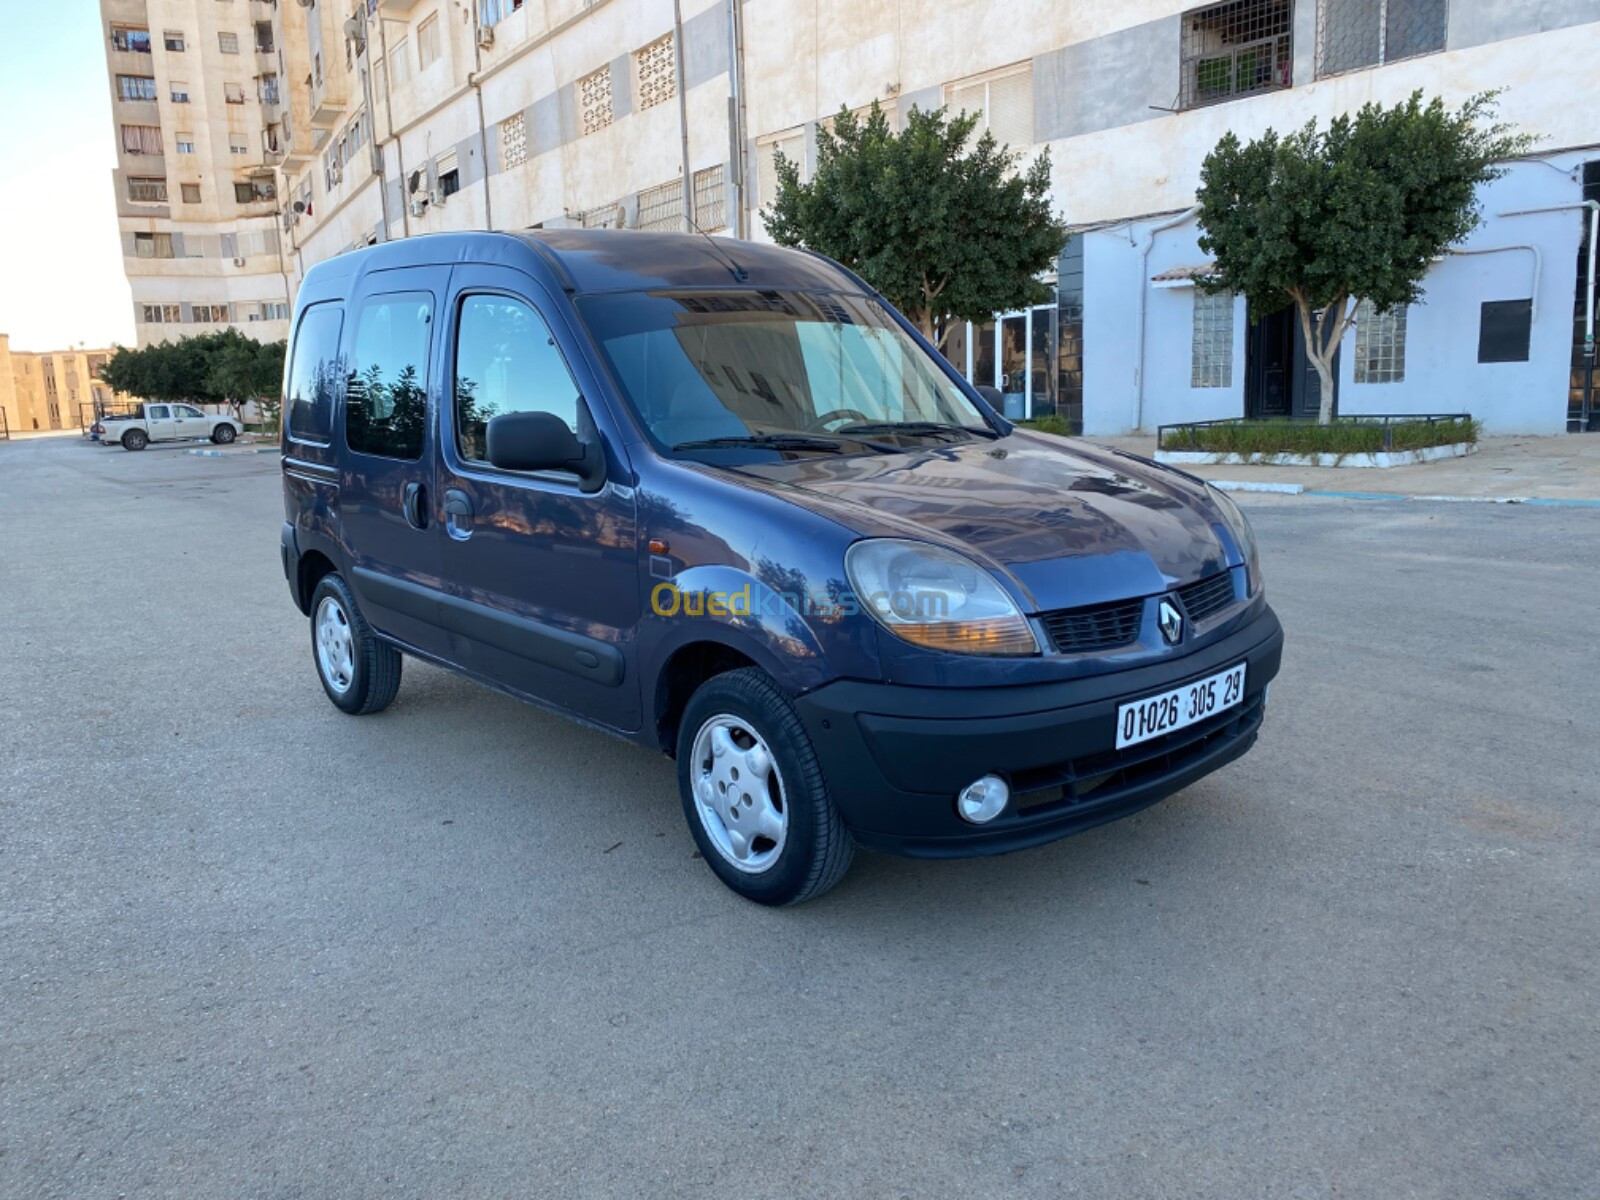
<point x="541" y="441"/>
<point x="991" y="397"/>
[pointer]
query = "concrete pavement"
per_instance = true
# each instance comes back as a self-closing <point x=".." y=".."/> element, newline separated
<point x="250" y="946"/>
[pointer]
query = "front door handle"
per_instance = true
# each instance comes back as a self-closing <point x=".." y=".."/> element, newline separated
<point x="458" y="514"/>
<point x="414" y="503"/>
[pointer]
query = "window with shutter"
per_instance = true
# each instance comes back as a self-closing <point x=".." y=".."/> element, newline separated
<point x="1002" y="102"/>
<point x="792" y="144"/>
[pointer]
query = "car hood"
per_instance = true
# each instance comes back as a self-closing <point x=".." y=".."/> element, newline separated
<point x="1070" y="523"/>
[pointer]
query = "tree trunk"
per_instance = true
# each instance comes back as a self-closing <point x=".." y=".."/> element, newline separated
<point x="1322" y="337"/>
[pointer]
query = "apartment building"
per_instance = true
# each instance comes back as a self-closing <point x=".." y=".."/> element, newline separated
<point x="428" y="115"/>
<point x="196" y="102"/>
<point x="53" y="389"/>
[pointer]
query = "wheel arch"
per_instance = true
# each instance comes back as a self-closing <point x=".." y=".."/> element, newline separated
<point x="309" y="572"/>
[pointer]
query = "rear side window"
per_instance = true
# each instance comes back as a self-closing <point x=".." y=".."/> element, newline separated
<point x="386" y="398"/>
<point x="314" y="374"/>
<point x="506" y="362"/>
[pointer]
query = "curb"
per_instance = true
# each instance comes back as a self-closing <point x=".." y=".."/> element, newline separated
<point x="1295" y="489"/>
<point x="231" y="453"/>
<point x="1234" y="485"/>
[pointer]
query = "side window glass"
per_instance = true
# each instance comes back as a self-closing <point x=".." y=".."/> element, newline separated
<point x="506" y="361"/>
<point x="158" y="412"/>
<point x="314" y="374"/>
<point x="386" y="397"/>
<point x="183" y="410"/>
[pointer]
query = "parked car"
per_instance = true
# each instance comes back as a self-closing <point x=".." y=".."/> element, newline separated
<point x="722" y="500"/>
<point x="164" y="423"/>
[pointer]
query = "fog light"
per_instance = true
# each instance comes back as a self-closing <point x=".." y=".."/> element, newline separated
<point x="982" y="800"/>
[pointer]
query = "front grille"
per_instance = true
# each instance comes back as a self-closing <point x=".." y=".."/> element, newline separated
<point x="1208" y="597"/>
<point x="1096" y="627"/>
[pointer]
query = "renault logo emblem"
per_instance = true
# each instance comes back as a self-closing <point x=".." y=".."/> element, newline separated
<point x="1171" y="622"/>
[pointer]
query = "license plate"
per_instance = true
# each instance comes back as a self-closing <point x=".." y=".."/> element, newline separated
<point x="1141" y="720"/>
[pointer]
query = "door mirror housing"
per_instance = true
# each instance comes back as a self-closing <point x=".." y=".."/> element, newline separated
<point x="542" y="441"/>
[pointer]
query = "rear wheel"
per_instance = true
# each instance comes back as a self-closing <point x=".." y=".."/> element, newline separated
<point x="135" y="439"/>
<point x="753" y="792"/>
<point x="223" y="434"/>
<point x="360" y="673"/>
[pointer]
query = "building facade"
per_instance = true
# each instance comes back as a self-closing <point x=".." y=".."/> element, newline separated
<point x="400" y="117"/>
<point x="196" y="103"/>
<point x="52" y="389"/>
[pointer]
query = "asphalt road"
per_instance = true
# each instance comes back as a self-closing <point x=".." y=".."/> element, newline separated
<point x="251" y="947"/>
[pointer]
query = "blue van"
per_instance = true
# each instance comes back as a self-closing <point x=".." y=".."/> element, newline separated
<point x="722" y="500"/>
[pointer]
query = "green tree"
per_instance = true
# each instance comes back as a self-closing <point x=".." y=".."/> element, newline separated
<point x="1323" y="219"/>
<point x="243" y="370"/>
<point x="222" y="367"/>
<point x="943" y="226"/>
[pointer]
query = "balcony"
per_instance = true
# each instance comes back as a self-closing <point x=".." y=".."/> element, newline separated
<point x="396" y="8"/>
<point x="328" y="103"/>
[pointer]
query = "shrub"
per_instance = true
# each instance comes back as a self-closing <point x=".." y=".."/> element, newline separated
<point x="1344" y="436"/>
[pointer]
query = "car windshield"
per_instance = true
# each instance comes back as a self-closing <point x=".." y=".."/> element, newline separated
<point x="785" y="372"/>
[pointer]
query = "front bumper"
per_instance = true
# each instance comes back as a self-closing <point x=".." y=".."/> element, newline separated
<point x="895" y="757"/>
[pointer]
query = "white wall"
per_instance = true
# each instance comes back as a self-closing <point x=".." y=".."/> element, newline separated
<point x="1442" y="371"/>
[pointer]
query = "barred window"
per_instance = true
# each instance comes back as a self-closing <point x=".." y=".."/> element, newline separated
<point x="514" y="140"/>
<point x="655" y="74"/>
<point x="147" y="190"/>
<point x="228" y="42"/>
<point x="1380" y="344"/>
<point x="1235" y="49"/>
<point x="1352" y="34"/>
<point x="710" y="199"/>
<point x="661" y="208"/>
<point x="1211" y="356"/>
<point x="136" y="87"/>
<point x="594" y="99"/>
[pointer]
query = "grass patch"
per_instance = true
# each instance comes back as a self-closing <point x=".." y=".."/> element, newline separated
<point x="1050" y="424"/>
<point x="1349" y="436"/>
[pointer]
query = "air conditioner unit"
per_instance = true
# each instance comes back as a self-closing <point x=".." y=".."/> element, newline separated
<point x="435" y="196"/>
<point x="338" y="173"/>
<point x="485" y="36"/>
<point x="419" y="205"/>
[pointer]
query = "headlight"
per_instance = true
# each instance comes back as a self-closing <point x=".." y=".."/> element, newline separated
<point x="1239" y="526"/>
<point x="936" y="598"/>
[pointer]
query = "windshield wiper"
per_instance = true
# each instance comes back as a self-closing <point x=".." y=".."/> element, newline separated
<point x="765" y="441"/>
<point x="916" y="428"/>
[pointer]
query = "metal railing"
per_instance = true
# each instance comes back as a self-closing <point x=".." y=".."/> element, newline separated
<point x="1385" y="420"/>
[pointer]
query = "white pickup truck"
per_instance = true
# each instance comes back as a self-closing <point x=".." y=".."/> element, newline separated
<point x="165" y="423"/>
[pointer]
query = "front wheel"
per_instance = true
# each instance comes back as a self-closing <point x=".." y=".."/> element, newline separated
<point x="753" y="792"/>
<point x="135" y="439"/>
<point x="223" y="434"/>
<point x="360" y="673"/>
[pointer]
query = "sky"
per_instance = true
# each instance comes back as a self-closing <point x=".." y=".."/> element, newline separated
<point x="61" y="280"/>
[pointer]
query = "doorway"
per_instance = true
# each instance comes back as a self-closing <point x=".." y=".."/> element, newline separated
<point x="1280" y="380"/>
<point x="1012" y="353"/>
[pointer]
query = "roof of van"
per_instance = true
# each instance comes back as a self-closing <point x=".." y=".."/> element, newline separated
<point x="602" y="260"/>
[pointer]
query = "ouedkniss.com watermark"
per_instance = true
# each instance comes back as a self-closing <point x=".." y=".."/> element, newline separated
<point x="666" y="600"/>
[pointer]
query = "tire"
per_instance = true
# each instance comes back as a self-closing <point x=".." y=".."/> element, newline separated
<point x="360" y="673"/>
<point x="807" y="849"/>
<point x="223" y="434"/>
<point x="135" y="439"/>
